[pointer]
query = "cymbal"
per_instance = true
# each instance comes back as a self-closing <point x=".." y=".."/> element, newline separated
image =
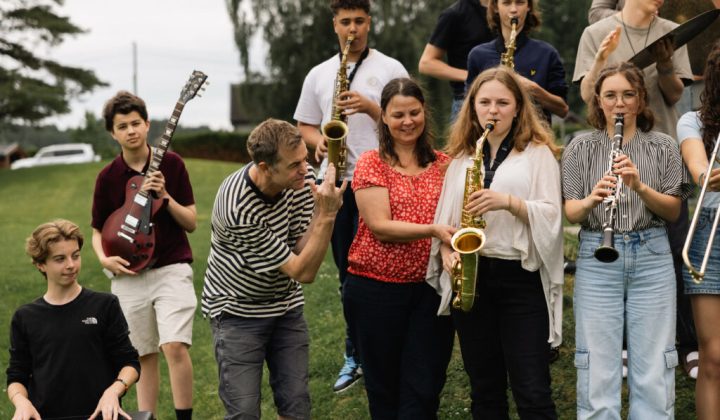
<point x="680" y="36"/>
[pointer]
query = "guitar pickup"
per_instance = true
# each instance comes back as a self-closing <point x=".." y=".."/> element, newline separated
<point x="128" y="229"/>
<point x="140" y="200"/>
<point x="124" y="236"/>
<point x="131" y="220"/>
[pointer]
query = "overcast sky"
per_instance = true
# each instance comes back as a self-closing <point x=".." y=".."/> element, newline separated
<point x="174" y="37"/>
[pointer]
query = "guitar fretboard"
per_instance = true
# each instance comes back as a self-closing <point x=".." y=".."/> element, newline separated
<point x="164" y="143"/>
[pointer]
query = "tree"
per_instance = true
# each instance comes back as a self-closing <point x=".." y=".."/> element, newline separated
<point x="299" y="35"/>
<point x="33" y="87"/>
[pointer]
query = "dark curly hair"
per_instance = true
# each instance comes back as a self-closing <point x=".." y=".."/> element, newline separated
<point x="424" y="152"/>
<point x="710" y="99"/>
<point x="645" y="117"/>
<point x="123" y="102"/>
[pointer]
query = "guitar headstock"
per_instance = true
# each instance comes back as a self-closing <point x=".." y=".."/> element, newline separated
<point x="195" y="84"/>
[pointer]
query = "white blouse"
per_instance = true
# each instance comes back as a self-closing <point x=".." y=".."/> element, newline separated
<point x="534" y="176"/>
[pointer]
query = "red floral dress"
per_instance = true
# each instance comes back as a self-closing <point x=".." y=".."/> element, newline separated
<point x="412" y="199"/>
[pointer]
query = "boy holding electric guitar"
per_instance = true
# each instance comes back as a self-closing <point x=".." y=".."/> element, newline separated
<point x="143" y="206"/>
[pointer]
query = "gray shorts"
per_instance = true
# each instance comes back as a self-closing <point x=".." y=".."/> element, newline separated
<point x="242" y="345"/>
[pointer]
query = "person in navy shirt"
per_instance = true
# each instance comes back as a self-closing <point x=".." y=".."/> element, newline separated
<point x="538" y="62"/>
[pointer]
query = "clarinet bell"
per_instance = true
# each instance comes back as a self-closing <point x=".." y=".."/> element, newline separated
<point x="606" y="254"/>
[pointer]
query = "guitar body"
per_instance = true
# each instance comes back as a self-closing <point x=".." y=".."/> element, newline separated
<point x="129" y="232"/>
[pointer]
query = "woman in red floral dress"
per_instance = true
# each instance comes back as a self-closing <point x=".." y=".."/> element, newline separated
<point x="404" y="346"/>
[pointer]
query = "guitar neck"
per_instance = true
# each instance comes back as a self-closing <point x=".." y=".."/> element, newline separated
<point x="164" y="144"/>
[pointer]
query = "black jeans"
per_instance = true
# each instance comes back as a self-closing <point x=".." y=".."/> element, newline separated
<point x="346" y="225"/>
<point x="404" y="346"/>
<point x="504" y="334"/>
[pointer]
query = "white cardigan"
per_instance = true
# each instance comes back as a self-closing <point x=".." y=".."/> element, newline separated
<point x="534" y="176"/>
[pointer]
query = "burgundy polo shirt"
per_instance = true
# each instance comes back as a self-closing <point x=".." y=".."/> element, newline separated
<point x="171" y="242"/>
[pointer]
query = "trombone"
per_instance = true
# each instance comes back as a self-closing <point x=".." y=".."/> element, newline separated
<point x="699" y="275"/>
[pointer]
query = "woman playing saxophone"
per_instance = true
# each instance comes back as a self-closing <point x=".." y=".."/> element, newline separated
<point x="519" y="274"/>
<point x="536" y="62"/>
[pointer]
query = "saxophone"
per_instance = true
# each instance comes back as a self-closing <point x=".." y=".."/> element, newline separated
<point x="507" y="58"/>
<point x="336" y="130"/>
<point x="470" y="238"/>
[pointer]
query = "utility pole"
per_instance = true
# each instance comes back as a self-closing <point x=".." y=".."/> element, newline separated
<point x="134" y="55"/>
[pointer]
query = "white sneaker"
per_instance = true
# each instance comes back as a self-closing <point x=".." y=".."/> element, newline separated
<point x="625" y="364"/>
<point x="691" y="364"/>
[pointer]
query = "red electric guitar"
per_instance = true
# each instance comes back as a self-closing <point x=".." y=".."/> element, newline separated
<point x="129" y="231"/>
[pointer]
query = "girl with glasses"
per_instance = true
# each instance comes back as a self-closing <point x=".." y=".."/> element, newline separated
<point x="637" y="289"/>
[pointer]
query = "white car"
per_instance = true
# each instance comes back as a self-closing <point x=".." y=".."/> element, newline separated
<point x="59" y="154"/>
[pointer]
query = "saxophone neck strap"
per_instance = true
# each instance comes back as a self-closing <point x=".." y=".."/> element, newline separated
<point x="364" y="55"/>
<point x="491" y="166"/>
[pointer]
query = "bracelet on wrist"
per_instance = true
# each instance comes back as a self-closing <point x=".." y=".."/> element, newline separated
<point x="125" y="384"/>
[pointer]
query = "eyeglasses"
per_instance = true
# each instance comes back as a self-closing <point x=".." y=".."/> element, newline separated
<point x="610" y="98"/>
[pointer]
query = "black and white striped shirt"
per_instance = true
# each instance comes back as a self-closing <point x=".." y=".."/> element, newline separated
<point x="252" y="236"/>
<point x="657" y="158"/>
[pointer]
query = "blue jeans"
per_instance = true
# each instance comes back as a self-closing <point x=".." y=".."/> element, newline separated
<point x="242" y="345"/>
<point x="711" y="282"/>
<point x="638" y="291"/>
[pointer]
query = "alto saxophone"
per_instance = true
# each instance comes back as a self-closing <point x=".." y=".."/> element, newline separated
<point x="470" y="238"/>
<point x="507" y="58"/>
<point x="336" y="130"/>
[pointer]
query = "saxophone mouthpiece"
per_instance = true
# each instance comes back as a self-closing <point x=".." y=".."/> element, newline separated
<point x="490" y="125"/>
<point x="514" y="20"/>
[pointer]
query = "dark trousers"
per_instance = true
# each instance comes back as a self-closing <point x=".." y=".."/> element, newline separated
<point x="504" y="334"/>
<point x="346" y="225"/>
<point x="686" y="334"/>
<point x="404" y="346"/>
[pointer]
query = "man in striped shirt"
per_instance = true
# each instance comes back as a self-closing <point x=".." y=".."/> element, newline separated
<point x="271" y="226"/>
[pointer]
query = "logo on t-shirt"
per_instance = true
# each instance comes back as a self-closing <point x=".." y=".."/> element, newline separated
<point x="91" y="320"/>
<point x="373" y="81"/>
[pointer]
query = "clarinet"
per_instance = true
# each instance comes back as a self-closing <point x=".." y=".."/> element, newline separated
<point x="606" y="252"/>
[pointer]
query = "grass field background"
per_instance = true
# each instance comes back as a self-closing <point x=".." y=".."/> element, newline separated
<point x="30" y="197"/>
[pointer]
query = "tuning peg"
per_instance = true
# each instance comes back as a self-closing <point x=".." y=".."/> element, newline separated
<point x="198" y="95"/>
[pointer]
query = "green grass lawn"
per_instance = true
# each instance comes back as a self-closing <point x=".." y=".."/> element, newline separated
<point x="30" y="197"/>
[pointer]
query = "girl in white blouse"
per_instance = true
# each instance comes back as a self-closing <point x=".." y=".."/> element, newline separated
<point x="518" y="304"/>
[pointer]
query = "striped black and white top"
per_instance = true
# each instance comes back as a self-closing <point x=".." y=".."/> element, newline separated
<point x="252" y="236"/>
<point x="657" y="157"/>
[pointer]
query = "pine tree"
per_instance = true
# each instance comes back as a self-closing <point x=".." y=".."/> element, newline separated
<point x="33" y="87"/>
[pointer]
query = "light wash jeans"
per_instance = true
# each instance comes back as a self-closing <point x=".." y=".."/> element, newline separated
<point x="638" y="289"/>
<point x="455" y="108"/>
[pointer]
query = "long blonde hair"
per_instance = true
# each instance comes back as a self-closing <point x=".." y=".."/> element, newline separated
<point x="528" y="126"/>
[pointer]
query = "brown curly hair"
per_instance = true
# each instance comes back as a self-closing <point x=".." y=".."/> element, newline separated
<point x="710" y="100"/>
<point x="645" y="117"/>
